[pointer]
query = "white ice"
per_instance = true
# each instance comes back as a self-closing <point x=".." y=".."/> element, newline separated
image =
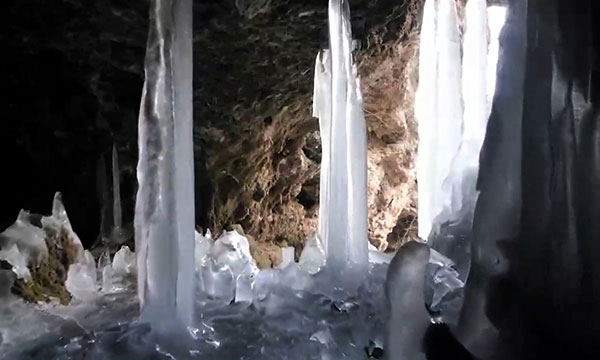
<point x="438" y="106"/>
<point x="338" y="105"/>
<point x="164" y="215"/>
<point x="28" y="240"/>
<point x="18" y="260"/>
<point x="81" y="278"/>
<point x="59" y="221"/>
<point x="124" y="262"/>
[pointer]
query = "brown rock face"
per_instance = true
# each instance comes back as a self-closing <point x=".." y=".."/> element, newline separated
<point x="389" y="81"/>
<point x="263" y="159"/>
<point x="76" y="78"/>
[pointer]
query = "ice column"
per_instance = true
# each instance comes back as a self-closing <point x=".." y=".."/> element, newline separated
<point x="343" y="215"/>
<point x="322" y="111"/>
<point x="164" y="215"/>
<point x="450" y="139"/>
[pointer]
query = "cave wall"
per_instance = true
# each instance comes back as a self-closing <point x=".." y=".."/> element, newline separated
<point x="75" y="75"/>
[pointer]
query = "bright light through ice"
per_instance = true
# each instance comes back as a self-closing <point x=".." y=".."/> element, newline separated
<point x="496" y="20"/>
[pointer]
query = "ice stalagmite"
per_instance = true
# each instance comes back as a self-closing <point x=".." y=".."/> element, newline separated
<point x="117" y="219"/>
<point x="343" y="215"/>
<point x="164" y="216"/>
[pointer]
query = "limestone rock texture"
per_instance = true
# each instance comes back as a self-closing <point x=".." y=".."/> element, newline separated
<point x="76" y="74"/>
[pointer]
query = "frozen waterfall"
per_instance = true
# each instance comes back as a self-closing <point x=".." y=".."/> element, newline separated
<point x="338" y="105"/>
<point x="164" y="214"/>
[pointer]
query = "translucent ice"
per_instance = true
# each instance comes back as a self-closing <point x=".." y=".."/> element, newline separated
<point x="81" y="278"/>
<point x="202" y="250"/>
<point x="59" y="221"/>
<point x="378" y="257"/>
<point x="233" y="250"/>
<point x="243" y="288"/>
<point x="287" y="256"/>
<point x="217" y="281"/>
<point x="124" y="262"/>
<point x="106" y="271"/>
<point x="164" y="215"/>
<point x="312" y="258"/>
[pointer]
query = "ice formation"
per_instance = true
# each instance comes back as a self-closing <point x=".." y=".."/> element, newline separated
<point x="452" y="107"/>
<point x="59" y="221"/>
<point x="81" y="278"/>
<point x="164" y="215"/>
<point x="124" y="263"/>
<point x="312" y="259"/>
<point x="21" y="244"/>
<point x="338" y="104"/>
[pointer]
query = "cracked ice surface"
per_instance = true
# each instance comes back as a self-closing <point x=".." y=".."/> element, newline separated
<point x="280" y="313"/>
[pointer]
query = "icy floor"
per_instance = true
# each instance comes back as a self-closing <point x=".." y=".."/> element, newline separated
<point x="281" y="322"/>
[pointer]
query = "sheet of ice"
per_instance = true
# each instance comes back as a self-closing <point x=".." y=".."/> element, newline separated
<point x="164" y="216"/>
<point x="344" y="231"/>
<point x="82" y="277"/>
